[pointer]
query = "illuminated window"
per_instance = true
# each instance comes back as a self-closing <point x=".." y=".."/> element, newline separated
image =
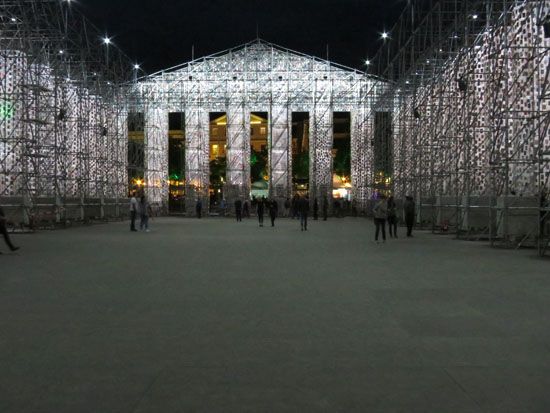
<point x="215" y="150"/>
<point x="214" y="131"/>
<point x="263" y="130"/>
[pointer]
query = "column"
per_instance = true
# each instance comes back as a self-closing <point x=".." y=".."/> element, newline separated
<point x="280" y="152"/>
<point x="156" y="156"/>
<point x="197" y="168"/>
<point x="361" y="153"/>
<point x="320" y="152"/>
<point x="238" y="153"/>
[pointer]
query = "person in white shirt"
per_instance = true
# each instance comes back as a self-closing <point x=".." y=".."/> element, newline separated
<point x="134" y="208"/>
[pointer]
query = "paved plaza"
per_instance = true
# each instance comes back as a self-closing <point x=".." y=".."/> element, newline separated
<point x="214" y="316"/>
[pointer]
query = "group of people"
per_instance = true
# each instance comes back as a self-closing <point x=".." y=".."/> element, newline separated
<point x="294" y="207"/>
<point x="140" y="207"/>
<point x="386" y="210"/>
<point x="271" y="206"/>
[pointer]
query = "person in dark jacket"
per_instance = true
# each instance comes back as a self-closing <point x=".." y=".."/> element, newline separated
<point x="392" y="217"/>
<point x="409" y="209"/>
<point x="354" y="208"/>
<point x="273" y="211"/>
<point x="246" y="210"/>
<point x="303" y="208"/>
<point x="4" y="231"/>
<point x="238" y="210"/>
<point x="260" y="204"/>
<point x="325" y="208"/>
<point x="198" y="208"/>
<point x="295" y="209"/>
<point x="287" y="207"/>
<point x="337" y="208"/>
<point x="315" y="209"/>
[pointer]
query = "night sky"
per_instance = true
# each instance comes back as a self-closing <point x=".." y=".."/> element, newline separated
<point x="160" y="33"/>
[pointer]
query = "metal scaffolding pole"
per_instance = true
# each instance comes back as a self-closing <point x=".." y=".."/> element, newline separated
<point x="470" y="116"/>
<point x="63" y="137"/>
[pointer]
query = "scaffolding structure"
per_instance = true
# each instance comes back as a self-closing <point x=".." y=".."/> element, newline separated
<point x="468" y="85"/>
<point x="63" y="133"/>
<point x="254" y="77"/>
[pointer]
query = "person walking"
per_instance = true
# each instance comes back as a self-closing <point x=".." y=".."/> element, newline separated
<point x="380" y="211"/>
<point x="260" y="204"/>
<point x="238" y="210"/>
<point x="134" y="209"/>
<point x="325" y="208"/>
<point x="409" y="209"/>
<point x="145" y="210"/>
<point x="354" y="208"/>
<point x="198" y="208"/>
<point x="303" y="207"/>
<point x="337" y="208"/>
<point x="392" y="217"/>
<point x="287" y="208"/>
<point x="246" y="210"/>
<point x="254" y="205"/>
<point x="4" y="231"/>
<point x="223" y="206"/>
<point x="315" y="210"/>
<point x="273" y="211"/>
<point x="294" y="208"/>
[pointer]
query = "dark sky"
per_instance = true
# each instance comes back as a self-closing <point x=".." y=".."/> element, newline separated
<point x="160" y="33"/>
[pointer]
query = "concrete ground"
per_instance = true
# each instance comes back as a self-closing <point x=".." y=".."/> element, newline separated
<point x="214" y="316"/>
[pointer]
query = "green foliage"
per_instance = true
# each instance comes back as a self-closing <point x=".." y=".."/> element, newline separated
<point x="6" y="110"/>
<point x="217" y="172"/>
<point x="342" y="160"/>
<point x="300" y="166"/>
<point x="258" y="164"/>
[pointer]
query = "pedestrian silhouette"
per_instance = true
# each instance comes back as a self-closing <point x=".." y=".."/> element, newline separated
<point x="238" y="210"/>
<point x="273" y="211"/>
<point x="4" y="231"/>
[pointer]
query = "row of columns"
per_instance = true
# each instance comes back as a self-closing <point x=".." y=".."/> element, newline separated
<point x="197" y="146"/>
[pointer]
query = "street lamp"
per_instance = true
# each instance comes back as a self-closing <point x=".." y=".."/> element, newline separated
<point x="107" y="42"/>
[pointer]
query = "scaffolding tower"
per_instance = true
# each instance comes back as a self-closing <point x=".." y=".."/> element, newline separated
<point x="468" y="85"/>
<point x="63" y="133"/>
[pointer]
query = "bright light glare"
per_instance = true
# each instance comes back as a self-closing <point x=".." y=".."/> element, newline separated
<point x="136" y="66"/>
<point x="367" y="62"/>
<point x="385" y="35"/>
<point x="106" y="40"/>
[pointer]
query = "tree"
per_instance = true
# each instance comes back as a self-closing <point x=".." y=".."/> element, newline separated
<point x="258" y="164"/>
<point x="218" y="167"/>
<point x="300" y="166"/>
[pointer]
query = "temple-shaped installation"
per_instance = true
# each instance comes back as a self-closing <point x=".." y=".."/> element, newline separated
<point x="255" y="77"/>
